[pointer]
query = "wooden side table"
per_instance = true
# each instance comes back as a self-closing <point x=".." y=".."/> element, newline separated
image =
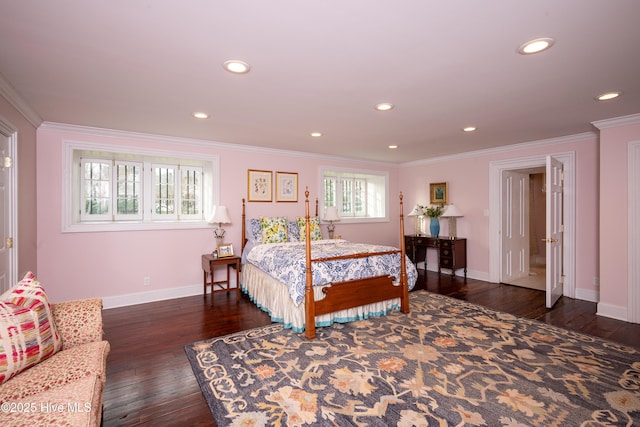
<point x="209" y="263"/>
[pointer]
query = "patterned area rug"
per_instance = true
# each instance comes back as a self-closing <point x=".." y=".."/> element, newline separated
<point x="448" y="362"/>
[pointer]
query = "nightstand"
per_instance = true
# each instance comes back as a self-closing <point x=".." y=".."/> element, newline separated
<point x="209" y="263"/>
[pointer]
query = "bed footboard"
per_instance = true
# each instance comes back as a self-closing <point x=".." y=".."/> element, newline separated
<point x="357" y="292"/>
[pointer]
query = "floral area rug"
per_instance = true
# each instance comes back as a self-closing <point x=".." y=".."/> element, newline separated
<point x="448" y="362"/>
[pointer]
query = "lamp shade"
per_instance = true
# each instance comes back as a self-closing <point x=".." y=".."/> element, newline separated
<point x="417" y="211"/>
<point x="452" y="212"/>
<point x="220" y="216"/>
<point x="331" y="214"/>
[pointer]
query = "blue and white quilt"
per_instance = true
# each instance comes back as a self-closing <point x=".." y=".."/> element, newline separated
<point x="286" y="262"/>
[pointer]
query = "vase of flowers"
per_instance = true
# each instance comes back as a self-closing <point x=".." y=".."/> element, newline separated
<point x="434" y="212"/>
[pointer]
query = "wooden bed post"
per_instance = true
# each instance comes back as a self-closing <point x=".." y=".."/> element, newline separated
<point x="310" y="312"/>
<point x="404" y="281"/>
<point x="244" y="233"/>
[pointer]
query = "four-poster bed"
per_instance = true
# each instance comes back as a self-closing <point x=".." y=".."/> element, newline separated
<point x="313" y="282"/>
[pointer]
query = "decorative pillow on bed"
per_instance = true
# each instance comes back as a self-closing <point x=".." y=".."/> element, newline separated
<point x="314" y="229"/>
<point x="27" y="332"/>
<point x="274" y="230"/>
<point x="293" y="231"/>
<point x="253" y="230"/>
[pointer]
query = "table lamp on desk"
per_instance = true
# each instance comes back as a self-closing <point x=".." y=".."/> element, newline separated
<point x="417" y="212"/>
<point x="452" y="213"/>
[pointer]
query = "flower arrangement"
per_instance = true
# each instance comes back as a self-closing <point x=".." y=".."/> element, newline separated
<point x="434" y="211"/>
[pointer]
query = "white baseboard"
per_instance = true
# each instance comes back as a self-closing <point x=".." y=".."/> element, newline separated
<point x="591" y="296"/>
<point x="151" y="296"/>
<point x="478" y="275"/>
<point x="612" y="311"/>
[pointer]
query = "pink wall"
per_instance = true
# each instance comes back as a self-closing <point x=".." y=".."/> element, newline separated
<point x="172" y="258"/>
<point x="468" y="181"/>
<point x="614" y="218"/>
<point x="27" y="253"/>
<point x="81" y="265"/>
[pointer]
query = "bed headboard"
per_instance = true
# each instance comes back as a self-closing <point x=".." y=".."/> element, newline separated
<point x="244" y="218"/>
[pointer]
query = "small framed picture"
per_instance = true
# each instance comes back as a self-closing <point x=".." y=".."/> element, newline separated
<point x="225" y="250"/>
<point x="259" y="186"/>
<point x="286" y="187"/>
<point x="438" y="192"/>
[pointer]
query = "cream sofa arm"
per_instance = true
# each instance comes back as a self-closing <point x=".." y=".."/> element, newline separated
<point x="78" y="321"/>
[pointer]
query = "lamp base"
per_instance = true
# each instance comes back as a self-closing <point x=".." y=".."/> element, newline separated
<point x="452" y="227"/>
<point x="331" y="229"/>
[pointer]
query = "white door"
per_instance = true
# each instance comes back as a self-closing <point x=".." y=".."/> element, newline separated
<point x="515" y="226"/>
<point x="554" y="237"/>
<point x="8" y="254"/>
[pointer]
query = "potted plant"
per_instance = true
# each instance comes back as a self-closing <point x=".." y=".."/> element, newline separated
<point x="434" y="212"/>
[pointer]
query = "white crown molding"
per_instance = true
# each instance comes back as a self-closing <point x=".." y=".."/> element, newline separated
<point x="505" y="149"/>
<point x="8" y="92"/>
<point x="114" y="133"/>
<point x="632" y="119"/>
<point x="139" y="136"/>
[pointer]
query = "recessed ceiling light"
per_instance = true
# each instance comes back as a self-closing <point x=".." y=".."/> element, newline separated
<point x="384" y="106"/>
<point x="608" y="95"/>
<point x="469" y="128"/>
<point x="393" y="146"/>
<point x="236" y="67"/>
<point x="535" y="46"/>
<point x="316" y="134"/>
<point x="200" y="115"/>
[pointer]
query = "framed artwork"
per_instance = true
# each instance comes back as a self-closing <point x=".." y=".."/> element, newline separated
<point x="286" y="187"/>
<point x="225" y="250"/>
<point x="438" y="192"/>
<point x="259" y="186"/>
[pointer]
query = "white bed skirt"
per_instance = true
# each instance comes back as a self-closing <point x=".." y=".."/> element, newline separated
<point x="273" y="297"/>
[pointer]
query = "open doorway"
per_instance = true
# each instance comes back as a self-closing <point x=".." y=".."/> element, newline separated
<point x="566" y="216"/>
<point x="534" y="218"/>
<point x="8" y="206"/>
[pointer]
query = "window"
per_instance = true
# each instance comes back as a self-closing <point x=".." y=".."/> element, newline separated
<point x="358" y="195"/>
<point x="125" y="190"/>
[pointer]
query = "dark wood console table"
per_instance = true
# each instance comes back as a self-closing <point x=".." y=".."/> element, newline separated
<point x="452" y="251"/>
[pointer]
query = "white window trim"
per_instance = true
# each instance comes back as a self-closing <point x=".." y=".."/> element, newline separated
<point x="348" y="219"/>
<point x="200" y="170"/>
<point x="129" y="217"/>
<point x="69" y="173"/>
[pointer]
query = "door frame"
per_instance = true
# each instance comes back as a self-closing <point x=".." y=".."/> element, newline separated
<point x="569" y="216"/>
<point x="633" y="224"/>
<point x="8" y="131"/>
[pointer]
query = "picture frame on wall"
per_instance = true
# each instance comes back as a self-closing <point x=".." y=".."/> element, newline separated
<point x="438" y="192"/>
<point x="225" y="250"/>
<point x="286" y="187"/>
<point x="259" y="186"/>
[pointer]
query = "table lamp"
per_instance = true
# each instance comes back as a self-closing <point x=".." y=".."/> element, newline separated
<point x="331" y="215"/>
<point x="452" y="213"/>
<point x="417" y="212"/>
<point x="220" y="216"/>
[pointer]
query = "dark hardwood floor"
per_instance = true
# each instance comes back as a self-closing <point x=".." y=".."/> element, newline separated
<point x="150" y="382"/>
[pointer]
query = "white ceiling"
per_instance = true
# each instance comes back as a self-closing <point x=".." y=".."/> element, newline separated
<point x="146" y="65"/>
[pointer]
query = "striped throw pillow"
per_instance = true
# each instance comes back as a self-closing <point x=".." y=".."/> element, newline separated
<point x="28" y="334"/>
